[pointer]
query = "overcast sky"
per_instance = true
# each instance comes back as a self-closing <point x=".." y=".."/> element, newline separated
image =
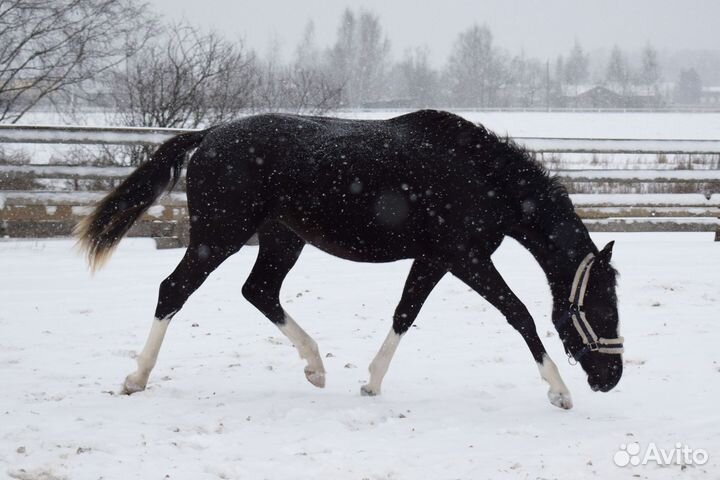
<point x="543" y="28"/>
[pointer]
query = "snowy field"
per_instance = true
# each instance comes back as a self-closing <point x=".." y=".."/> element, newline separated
<point x="228" y="399"/>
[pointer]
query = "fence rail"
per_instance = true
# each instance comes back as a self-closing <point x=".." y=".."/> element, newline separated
<point x="78" y="135"/>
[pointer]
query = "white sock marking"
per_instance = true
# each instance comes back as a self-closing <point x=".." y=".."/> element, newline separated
<point x="558" y="393"/>
<point x="137" y="381"/>
<point x="379" y="366"/>
<point x="308" y="350"/>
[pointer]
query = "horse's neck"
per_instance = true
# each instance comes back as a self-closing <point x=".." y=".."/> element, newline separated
<point x="547" y="223"/>
<point x="558" y="247"/>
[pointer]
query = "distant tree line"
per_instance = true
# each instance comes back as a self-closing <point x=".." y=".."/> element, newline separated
<point x="118" y="55"/>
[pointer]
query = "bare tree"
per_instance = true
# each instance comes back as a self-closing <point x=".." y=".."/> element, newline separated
<point x="650" y="70"/>
<point x="576" y="67"/>
<point x="476" y="70"/>
<point x="618" y="71"/>
<point x="303" y="86"/>
<point x="559" y="77"/>
<point x="359" y="58"/>
<point x="307" y="90"/>
<point x="184" y="79"/>
<point x="47" y="48"/>
<point x="341" y="56"/>
<point x="310" y="87"/>
<point x="373" y="50"/>
<point x="307" y="53"/>
<point x="418" y="81"/>
<point x="529" y="81"/>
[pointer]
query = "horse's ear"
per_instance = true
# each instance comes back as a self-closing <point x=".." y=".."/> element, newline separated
<point x="606" y="253"/>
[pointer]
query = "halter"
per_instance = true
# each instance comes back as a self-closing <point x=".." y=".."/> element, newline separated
<point x="591" y="342"/>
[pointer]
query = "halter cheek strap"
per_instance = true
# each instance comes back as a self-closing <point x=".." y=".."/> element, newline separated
<point x="591" y="342"/>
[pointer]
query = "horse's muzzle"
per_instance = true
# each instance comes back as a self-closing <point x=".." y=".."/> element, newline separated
<point x="606" y="380"/>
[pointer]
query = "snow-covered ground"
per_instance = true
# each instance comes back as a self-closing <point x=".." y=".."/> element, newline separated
<point x="229" y="400"/>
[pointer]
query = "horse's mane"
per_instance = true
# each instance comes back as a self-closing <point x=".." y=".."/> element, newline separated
<point x="518" y="164"/>
<point x="542" y="185"/>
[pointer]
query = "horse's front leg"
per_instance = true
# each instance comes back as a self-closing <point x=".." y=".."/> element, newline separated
<point x="484" y="278"/>
<point x="421" y="280"/>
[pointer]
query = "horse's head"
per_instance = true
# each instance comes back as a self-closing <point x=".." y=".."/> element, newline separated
<point x="588" y="321"/>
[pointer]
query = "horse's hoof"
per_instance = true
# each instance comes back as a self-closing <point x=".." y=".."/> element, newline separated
<point x="561" y="400"/>
<point x="131" y="385"/>
<point x="316" y="377"/>
<point x="368" y="391"/>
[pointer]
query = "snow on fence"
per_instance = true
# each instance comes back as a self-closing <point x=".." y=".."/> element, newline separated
<point x="47" y="200"/>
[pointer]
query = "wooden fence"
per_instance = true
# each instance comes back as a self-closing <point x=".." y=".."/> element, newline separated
<point x="47" y="200"/>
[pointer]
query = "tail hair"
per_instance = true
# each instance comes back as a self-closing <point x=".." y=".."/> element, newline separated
<point x="99" y="233"/>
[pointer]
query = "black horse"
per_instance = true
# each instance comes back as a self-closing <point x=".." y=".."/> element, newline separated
<point x="429" y="186"/>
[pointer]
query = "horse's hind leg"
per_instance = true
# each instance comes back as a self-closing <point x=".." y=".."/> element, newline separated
<point x="420" y="282"/>
<point x="278" y="252"/>
<point x="201" y="258"/>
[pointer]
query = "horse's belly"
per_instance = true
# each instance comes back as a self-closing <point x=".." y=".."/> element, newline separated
<point x="361" y="252"/>
<point x="356" y="244"/>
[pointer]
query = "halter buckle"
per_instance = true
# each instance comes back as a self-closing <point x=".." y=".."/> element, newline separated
<point x="571" y="360"/>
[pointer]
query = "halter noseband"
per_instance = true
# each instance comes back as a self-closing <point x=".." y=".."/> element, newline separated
<point x="591" y="342"/>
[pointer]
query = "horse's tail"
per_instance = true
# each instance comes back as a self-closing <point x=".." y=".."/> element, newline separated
<point x="99" y="233"/>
